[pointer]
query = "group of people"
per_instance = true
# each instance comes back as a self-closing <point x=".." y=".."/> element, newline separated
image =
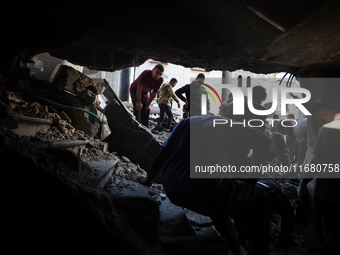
<point x="150" y="83"/>
<point x="244" y="204"/>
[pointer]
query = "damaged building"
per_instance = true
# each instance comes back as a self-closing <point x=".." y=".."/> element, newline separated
<point x="73" y="152"/>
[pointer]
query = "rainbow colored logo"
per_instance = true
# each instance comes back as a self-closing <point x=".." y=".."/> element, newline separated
<point x="209" y="93"/>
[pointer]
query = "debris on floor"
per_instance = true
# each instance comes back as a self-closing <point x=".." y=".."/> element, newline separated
<point x="111" y="154"/>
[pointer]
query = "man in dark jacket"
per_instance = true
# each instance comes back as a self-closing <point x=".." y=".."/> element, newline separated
<point x="192" y="96"/>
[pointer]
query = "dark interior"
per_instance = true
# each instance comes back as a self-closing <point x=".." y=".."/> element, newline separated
<point x="301" y="38"/>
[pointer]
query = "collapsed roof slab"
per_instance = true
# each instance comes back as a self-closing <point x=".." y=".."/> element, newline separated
<point x="128" y="137"/>
<point x="216" y="35"/>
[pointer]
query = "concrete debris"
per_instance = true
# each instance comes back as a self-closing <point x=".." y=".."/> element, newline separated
<point x="95" y="154"/>
<point x="62" y="122"/>
<point x="162" y="136"/>
<point x="42" y="99"/>
<point x="128" y="137"/>
<point x="67" y="210"/>
<point x="109" y="164"/>
<point x="74" y="81"/>
<point x="26" y="107"/>
<point x="198" y="220"/>
<point x="125" y="173"/>
<point x="68" y="120"/>
<point x="56" y="133"/>
<point x="72" y="153"/>
<point x="30" y="126"/>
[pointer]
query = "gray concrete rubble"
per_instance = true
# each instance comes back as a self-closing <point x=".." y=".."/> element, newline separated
<point x="128" y="137"/>
<point x="54" y="102"/>
<point x="92" y="184"/>
<point x="102" y="174"/>
<point x="75" y="82"/>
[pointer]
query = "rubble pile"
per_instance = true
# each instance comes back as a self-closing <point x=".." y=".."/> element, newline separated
<point x="126" y="175"/>
<point x="60" y="133"/>
<point x="62" y="121"/>
<point x="66" y="210"/>
<point x="74" y="89"/>
<point x="24" y="107"/>
<point x="70" y="89"/>
<point x="79" y="84"/>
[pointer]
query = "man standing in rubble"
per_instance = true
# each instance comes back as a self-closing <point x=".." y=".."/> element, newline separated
<point x="192" y="96"/>
<point x="148" y="81"/>
<point x="164" y="103"/>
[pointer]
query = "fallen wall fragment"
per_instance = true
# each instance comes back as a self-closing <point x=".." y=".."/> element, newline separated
<point x="128" y="137"/>
<point x="75" y="82"/>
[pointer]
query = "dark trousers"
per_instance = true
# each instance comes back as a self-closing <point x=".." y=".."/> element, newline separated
<point x="238" y="200"/>
<point x="163" y="108"/>
<point x="143" y="115"/>
<point x="328" y="225"/>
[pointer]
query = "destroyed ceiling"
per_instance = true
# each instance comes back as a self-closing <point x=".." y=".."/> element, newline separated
<point x="259" y="36"/>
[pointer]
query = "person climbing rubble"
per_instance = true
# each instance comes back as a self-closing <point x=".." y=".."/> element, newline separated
<point x="218" y="198"/>
<point x="147" y="81"/>
<point x="192" y="96"/>
<point x="165" y="95"/>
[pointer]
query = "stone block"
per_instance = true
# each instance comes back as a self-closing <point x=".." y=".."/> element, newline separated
<point x="79" y="84"/>
<point x="128" y="137"/>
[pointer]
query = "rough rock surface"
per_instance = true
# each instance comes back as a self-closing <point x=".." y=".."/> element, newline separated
<point x="82" y="86"/>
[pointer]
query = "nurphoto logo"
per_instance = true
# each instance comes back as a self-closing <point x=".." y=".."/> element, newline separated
<point x="238" y="100"/>
<point x="239" y="104"/>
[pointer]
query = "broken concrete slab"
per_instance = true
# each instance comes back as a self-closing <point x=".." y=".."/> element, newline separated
<point x="74" y="81"/>
<point x="49" y="102"/>
<point x="173" y="221"/>
<point x="134" y="189"/>
<point x="70" y="144"/>
<point x="67" y="212"/>
<point x="30" y="126"/>
<point x="197" y="219"/>
<point x="128" y="137"/>
<point x="102" y="170"/>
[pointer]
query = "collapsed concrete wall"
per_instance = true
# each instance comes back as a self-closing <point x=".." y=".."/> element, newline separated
<point x="50" y="199"/>
<point x="120" y="129"/>
<point x="128" y="137"/>
<point x="75" y="82"/>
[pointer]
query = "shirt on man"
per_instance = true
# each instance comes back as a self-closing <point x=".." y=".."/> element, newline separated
<point x="165" y="95"/>
<point x="148" y="83"/>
